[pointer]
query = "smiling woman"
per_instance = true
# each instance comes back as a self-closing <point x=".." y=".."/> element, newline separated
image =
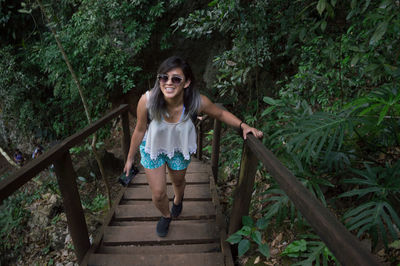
<point x="167" y="136"/>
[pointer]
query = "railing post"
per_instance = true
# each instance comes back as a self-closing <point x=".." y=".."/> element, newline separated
<point x="244" y="189"/>
<point x="215" y="148"/>
<point x="66" y="178"/>
<point x="126" y="138"/>
<point x="200" y="140"/>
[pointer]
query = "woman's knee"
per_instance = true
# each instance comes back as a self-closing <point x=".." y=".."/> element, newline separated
<point x="158" y="194"/>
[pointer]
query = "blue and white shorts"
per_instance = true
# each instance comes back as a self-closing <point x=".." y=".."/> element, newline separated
<point x="177" y="162"/>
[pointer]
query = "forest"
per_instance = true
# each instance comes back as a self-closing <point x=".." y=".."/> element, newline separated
<point x="320" y="78"/>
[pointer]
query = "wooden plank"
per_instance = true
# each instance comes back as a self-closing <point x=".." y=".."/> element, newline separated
<point x="192" y="192"/>
<point x="32" y="168"/>
<point x="147" y="211"/>
<point x="145" y="233"/>
<point x="197" y="167"/>
<point x="192" y="259"/>
<point x="157" y="249"/>
<point x="191" y="178"/>
<point x="346" y="248"/>
<point x="177" y="222"/>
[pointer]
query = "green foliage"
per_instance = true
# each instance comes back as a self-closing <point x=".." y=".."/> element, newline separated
<point x="14" y="217"/>
<point x="249" y="51"/>
<point x="315" y="251"/>
<point x="250" y="233"/>
<point x="295" y="249"/>
<point x="15" y="87"/>
<point x="376" y="215"/>
<point x="103" y="41"/>
<point x="99" y="203"/>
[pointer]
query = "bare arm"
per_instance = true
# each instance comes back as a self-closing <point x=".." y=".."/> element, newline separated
<point x="138" y="133"/>
<point x="228" y="118"/>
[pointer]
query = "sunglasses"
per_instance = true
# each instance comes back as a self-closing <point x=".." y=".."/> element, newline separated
<point x="163" y="78"/>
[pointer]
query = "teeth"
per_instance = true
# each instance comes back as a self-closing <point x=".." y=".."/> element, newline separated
<point x="169" y="89"/>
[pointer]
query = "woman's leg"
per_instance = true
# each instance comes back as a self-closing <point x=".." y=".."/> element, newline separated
<point x="157" y="182"/>
<point x="178" y="181"/>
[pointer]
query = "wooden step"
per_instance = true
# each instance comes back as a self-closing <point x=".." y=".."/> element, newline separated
<point x="144" y="233"/>
<point x="192" y="192"/>
<point x="191" y="178"/>
<point x="146" y="211"/>
<point x="189" y="259"/>
<point x="157" y="249"/>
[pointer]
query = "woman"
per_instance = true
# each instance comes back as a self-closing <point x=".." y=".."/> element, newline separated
<point x="166" y="134"/>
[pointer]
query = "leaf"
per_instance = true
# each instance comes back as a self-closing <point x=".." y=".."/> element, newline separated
<point x="212" y="3"/>
<point x="256" y="236"/>
<point x="321" y="6"/>
<point x="81" y="178"/>
<point x="234" y="238"/>
<point x="245" y="231"/>
<point x="243" y="247"/>
<point x="379" y="32"/>
<point x="268" y="110"/>
<point x="262" y="223"/>
<point x="269" y="100"/>
<point x="295" y="248"/>
<point x="323" y="25"/>
<point x="247" y="221"/>
<point x="383" y="113"/>
<point x="264" y="249"/>
<point x="355" y="60"/>
<point x="395" y="244"/>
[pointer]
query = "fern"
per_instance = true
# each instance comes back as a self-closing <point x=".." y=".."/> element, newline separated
<point x="375" y="216"/>
<point x="317" y="254"/>
<point x="379" y="103"/>
<point x="278" y="206"/>
<point x="313" y="250"/>
<point x="318" y="134"/>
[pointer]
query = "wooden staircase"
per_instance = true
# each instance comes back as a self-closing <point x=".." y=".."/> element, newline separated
<point x="196" y="237"/>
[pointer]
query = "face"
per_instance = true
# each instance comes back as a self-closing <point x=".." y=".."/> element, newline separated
<point x="173" y="83"/>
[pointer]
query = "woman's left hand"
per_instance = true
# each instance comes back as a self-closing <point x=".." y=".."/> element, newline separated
<point x="247" y="129"/>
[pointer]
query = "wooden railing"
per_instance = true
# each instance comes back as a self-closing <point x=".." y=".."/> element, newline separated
<point x="66" y="177"/>
<point x="345" y="247"/>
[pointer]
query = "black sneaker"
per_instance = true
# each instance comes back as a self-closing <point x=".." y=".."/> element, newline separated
<point x="162" y="226"/>
<point x="176" y="209"/>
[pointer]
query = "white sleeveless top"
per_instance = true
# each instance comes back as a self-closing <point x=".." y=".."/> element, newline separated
<point x="166" y="138"/>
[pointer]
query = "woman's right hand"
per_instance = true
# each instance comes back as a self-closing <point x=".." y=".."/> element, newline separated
<point x="128" y="166"/>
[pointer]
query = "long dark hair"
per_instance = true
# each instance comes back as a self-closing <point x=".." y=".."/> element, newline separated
<point x="191" y="96"/>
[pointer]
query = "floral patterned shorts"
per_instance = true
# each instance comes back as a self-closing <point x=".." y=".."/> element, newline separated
<point x="177" y="162"/>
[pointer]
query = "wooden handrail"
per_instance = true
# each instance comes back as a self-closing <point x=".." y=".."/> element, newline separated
<point x="32" y="168"/>
<point x="66" y="177"/>
<point x="345" y="246"/>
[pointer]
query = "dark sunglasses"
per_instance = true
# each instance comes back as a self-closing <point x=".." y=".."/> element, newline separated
<point x="164" y="79"/>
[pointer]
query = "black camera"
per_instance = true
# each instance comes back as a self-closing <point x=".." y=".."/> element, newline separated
<point x="125" y="180"/>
